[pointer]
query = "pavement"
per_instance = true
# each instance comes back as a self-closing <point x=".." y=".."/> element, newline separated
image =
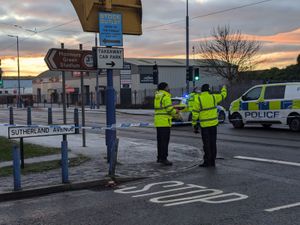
<point x="136" y="159"/>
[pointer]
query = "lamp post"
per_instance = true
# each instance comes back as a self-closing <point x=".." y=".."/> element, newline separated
<point x="187" y="48"/>
<point x="18" y="60"/>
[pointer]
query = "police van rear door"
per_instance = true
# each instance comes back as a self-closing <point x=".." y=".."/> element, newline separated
<point x="250" y="104"/>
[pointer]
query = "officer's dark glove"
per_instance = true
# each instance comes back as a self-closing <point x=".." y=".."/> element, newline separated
<point x="196" y="129"/>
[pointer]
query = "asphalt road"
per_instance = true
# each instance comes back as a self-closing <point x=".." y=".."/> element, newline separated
<point x="256" y="182"/>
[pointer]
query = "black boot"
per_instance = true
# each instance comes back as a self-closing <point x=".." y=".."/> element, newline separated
<point x="166" y="162"/>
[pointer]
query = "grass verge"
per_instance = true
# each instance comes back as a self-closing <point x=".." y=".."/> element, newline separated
<point x="43" y="166"/>
<point x="30" y="150"/>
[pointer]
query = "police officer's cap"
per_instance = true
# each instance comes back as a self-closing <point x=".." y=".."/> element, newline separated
<point x="162" y="86"/>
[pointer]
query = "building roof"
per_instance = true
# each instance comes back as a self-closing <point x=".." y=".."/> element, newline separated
<point x="138" y="62"/>
<point x="165" y="62"/>
<point x="16" y="78"/>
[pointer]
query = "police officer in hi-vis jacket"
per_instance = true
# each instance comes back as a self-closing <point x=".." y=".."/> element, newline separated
<point x="164" y="112"/>
<point x="205" y="111"/>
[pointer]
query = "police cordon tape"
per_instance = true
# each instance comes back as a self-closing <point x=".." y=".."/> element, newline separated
<point x="113" y="127"/>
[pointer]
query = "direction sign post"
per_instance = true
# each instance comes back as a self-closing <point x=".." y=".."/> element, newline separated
<point x="111" y="34"/>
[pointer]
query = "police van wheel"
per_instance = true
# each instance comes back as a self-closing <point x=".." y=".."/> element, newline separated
<point x="295" y="124"/>
<point x="237" y="121"/>
<point x="222" y="117"/>
<point x="190" y="117"/>
<point x="265" y="125"/>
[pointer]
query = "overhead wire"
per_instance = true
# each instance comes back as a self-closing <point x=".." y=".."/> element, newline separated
<point x="209" y="14"/>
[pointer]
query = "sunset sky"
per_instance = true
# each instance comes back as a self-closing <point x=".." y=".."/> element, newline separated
<point x="42" y="24"/>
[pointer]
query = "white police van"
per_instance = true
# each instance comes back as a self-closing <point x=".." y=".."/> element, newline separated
<point x="268" y="104"/>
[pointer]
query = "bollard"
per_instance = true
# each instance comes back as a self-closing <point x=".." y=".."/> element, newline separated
<point x="113" y="159"/>
<point x="11" y="115"/>
<point x="50" y="121"/>
<point x="16" y="168"/>
<point x="76" y="120"/>
<point x="64" y="162"/>
<point x="29" y="120"/>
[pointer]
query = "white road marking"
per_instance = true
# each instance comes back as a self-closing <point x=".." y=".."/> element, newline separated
<point x="268" y="160"/>
<point x="185" y="195"/>
<point x="283" y="207"/>
<point x="189" y="186"/>
<point x="214" y="199"/>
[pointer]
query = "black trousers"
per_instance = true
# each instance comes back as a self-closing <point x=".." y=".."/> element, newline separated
<point x="209" y="139"/>
<point x="163" y="138"/>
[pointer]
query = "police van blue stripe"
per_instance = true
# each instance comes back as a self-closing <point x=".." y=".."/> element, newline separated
<point x="286" y="104"/>
<point x="244" y="106"/>
<point x="264" y="106"/>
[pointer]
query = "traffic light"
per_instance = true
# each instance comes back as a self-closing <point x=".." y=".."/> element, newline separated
<point x="88" y="13"/>
<point x="197" y="74"/>
<point x="155" y="74"/>
<point x="190" y="73"/>
<point x="1" y="81"/>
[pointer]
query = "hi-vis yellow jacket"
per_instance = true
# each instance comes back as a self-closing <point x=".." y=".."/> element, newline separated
<point x="205" y="108"/>
<point x="164" y="110"/>
<point x="191" y="100"/>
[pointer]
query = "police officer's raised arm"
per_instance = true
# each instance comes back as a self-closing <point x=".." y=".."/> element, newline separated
<point x="220" y="97"/>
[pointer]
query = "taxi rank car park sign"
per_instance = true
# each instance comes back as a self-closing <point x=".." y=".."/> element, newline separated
<point x="110" y="58"/>
<point x="70" y="60"/>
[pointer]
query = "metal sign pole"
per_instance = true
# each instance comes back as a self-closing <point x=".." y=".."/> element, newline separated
<point x="110" y="114"/>
<point x="64" y="97"/>
<point x="82" y="105"/>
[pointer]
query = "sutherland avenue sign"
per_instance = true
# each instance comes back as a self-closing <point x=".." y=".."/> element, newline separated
<point x="23" y="132"/>
<point x="69" y="60"/>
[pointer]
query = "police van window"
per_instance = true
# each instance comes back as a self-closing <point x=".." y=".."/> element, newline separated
<point x="275" y="92"/>
<point x="254" y="94"/>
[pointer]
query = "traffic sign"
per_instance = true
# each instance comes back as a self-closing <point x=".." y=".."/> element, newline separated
<point x="69" y="60"/>
<point x="110" y="58"/>
<point x="111" y="30"/>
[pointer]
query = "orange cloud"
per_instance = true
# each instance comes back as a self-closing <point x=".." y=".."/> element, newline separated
<point x="29" y="66"/>
<point x="292" y="37"/>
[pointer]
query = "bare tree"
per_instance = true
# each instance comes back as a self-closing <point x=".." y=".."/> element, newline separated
<point x="229" y="52"/>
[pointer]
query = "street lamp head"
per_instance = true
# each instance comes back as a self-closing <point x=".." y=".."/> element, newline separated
<point x="14" y="36"/>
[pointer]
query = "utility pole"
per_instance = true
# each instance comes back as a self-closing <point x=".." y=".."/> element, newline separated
<point x="97" y="78"/>
<point x="187" y="48"/>
<point x="18" y="62"/>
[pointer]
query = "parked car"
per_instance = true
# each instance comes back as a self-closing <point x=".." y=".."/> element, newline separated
<point x="180" y="103"/>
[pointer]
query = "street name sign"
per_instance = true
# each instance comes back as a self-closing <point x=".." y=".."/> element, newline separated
<point x="110" y="29"/>
<point x="110" y="58"/>
<point x="69" y="60"/>
<point x="24" y="132"/>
